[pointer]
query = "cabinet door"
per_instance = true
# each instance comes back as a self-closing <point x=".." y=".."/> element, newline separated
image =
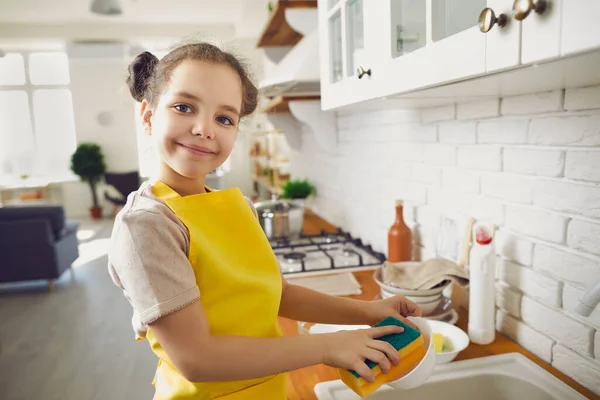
<point x="540" y="37"/>
<point x="502" y="43"/>
<point x="343" y="52"/>
<point x="580" y="27"/>
<point x="434" y="42"/>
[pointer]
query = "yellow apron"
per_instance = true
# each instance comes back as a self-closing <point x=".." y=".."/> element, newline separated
<point x="240" y="288"/>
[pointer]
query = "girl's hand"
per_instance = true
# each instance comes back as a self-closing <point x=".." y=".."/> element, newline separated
<point x="350" y="349"/>
<point x="398" y="307"/>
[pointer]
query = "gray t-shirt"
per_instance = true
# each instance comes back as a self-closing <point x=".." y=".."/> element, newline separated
<point x="148" y="258"/>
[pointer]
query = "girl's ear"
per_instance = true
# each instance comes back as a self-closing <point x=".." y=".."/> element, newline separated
<point x="146" y="114"/>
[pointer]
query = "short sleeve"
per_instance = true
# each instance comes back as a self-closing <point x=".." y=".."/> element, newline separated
<point x="148" y="260"/>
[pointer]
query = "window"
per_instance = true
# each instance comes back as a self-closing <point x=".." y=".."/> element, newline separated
<point x="37" y="126"/>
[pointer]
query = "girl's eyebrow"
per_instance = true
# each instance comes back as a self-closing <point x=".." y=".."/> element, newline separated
<point x="196" y="98"/>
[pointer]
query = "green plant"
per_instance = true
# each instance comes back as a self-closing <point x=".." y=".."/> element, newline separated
<point x="298" y="189"/>
<point x="88" y="163"/>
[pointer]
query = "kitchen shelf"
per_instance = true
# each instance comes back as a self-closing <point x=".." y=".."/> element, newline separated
<point x="281" y="104"/>
<point x="263" y="181"/>
<point x="278" y="32"/>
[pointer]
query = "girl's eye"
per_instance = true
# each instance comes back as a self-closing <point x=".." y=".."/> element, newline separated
<point x="224" y="120"/>
<point x="183" y="108"/>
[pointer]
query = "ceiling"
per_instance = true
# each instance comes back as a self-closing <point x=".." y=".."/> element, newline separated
<point x="33" y="22"/>
<point x="134" y="11"/>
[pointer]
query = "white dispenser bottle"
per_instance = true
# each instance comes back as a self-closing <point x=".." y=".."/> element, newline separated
<point x="482" y="289"/>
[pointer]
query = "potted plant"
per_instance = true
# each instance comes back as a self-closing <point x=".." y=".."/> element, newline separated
<point x="298" y="190"/>
<point x="88" y="163"/>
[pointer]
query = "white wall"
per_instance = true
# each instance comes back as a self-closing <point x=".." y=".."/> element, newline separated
<point x="98" y="86"/>
<point x="530" y="164"/>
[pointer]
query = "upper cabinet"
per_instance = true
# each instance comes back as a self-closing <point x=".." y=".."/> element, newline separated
<point x="395" y="48"/>
<point x="347" y="45"/>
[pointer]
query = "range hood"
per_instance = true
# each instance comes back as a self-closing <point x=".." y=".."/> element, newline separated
<point x="298" y="72"/>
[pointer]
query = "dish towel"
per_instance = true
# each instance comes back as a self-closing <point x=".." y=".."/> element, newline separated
<point x="343" y="284"/>
<point x="425" y="275"/>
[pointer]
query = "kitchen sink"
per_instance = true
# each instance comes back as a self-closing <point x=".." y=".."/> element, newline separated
<point x="500" y="377"/>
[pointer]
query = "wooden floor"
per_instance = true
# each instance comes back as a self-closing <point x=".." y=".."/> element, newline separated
<point x="74" y="344"/>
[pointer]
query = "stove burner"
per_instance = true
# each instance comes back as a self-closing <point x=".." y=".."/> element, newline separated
<point x="330" y="239"/>
<point x="294" y="256"/>
<point x="347" y="252"/>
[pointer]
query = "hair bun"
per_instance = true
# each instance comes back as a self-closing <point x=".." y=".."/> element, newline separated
<point x="140" y="72"/>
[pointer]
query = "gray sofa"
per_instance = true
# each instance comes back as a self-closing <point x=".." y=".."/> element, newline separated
<point x="36" y="242"/>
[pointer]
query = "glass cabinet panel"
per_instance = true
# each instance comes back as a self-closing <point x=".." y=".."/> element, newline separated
<point x="409" y="26"/>
<point x="335" y="47"/>
<point x="355" y="35"/>
<point x="332" y="3"/>
<point x="450" y="17"/>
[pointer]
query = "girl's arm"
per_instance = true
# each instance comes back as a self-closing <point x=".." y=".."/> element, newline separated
<point x="303" y="304"/>
<point x="203" y="357"/>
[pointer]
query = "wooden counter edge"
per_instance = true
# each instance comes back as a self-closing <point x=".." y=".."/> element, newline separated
<point x="301" y="382"/>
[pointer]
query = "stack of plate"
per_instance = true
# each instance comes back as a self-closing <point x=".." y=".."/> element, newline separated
<point x="434" y="305"/>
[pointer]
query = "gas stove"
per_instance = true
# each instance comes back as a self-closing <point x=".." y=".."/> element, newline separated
<point x="324" y="253"/>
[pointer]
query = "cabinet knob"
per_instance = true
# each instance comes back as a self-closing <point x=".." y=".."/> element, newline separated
<point x="362" y="72"/>
<point x="488" y="18"/>
<point x="522" y="8"/>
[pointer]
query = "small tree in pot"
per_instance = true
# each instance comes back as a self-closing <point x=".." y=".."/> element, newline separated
<point x="88" y="163"/>
<point x="298" y="190"/>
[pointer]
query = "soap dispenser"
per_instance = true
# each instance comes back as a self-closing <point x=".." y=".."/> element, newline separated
<point x="482" y="296"/>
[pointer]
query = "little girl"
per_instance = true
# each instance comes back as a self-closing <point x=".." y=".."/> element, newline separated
<point x="203" y="281"/>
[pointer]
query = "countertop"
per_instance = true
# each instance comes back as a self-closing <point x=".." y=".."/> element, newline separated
<point x="301" y="383"/>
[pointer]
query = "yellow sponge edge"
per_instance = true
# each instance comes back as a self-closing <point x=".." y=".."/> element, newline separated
<point x="410" y="356"/>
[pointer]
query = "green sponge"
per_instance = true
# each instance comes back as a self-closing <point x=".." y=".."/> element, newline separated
<point x="398" y="340"/>
<point x="410" y="345"/>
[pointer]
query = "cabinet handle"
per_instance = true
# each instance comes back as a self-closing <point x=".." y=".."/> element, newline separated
<point x="361" y="72"/>
<point x="522" y="8"/>
<point x="488" y="18"/>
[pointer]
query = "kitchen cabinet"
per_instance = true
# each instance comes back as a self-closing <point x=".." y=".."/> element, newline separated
<point x="580" y="29"/>
<point x="346" y="46"/>
<point x="402" y="47"/>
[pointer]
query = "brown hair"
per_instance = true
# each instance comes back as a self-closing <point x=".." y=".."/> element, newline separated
<point x="148" y="75"/>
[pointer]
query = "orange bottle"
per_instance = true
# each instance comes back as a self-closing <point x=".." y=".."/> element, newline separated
<point x="399" y="238"/>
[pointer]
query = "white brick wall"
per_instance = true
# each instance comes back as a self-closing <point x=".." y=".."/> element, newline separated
<point x="508" y="299"/>
<point x="583" y="235"/>
<point x="478" y="109"/>
<point x="514" y="188"/>
<point x="584" y="165"/>
<point x="487" y="158"/>
<point x="582" y="98"/>
<point x="583" y="370"/>
<point x="577" y="198"/>
<point x="515" y="248"/>
<point x="536" y="222"/>
<point x="534" y="161"/>
<point x="534" y="341"/>
<point x="567" y="131"/>
<point x="460" y="179"/>
<point x="566" y="264"/>
<point x="501" y="131"/>
<point x="536" y="175"/>
<point x="558" y="326"/>
<point x="571" y="295"/>
<point x="458" y="132"/>
<point x="530" y="282"/>
<point x="533" y="103"/>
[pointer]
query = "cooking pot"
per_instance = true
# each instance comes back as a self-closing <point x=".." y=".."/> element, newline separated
<point x="280" y="218"/>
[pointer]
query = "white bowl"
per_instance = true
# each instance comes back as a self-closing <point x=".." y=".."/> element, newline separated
<point x="455" y="337"/>
<point x="424" y="369"/>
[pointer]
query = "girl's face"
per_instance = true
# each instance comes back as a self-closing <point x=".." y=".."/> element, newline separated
<point x="195" y="123"/>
